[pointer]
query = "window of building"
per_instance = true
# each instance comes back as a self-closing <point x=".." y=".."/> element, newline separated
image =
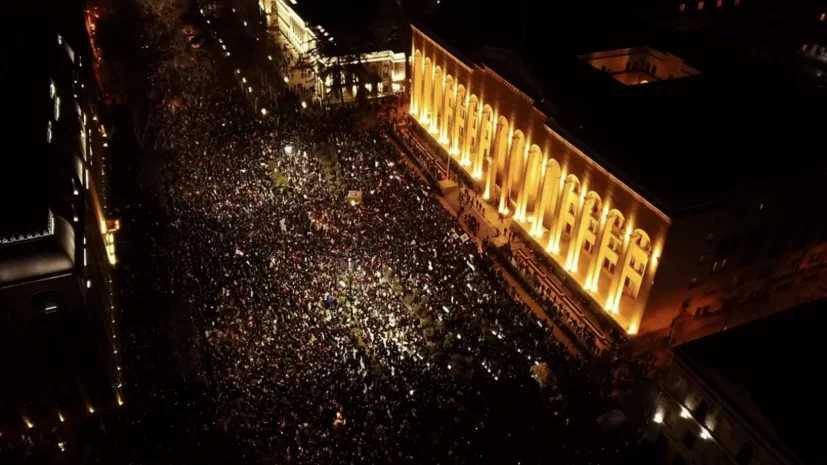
<point x="689" y="440"/>
<point x="572" y="208"/>
<point x="701" y="411"/>
<point x="49" y="131"/>
<point x="568" y="228"/>
<point x="608" y="265"/>
<point x="682" y="8"/>
<point x="700" y="5"/>
<point x="588" y="246"/>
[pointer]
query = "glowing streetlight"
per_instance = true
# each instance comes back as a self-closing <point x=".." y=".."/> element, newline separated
<point x="263" y="112"/>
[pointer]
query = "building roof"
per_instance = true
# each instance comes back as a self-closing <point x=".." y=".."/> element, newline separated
<point x="681" y="143"/>
<point x="35" y="238"/>
<point x="360" y="27"/>
<point x="768" y="369"/>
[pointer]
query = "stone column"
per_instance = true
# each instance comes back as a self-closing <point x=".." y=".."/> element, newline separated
<point x="490" y="175"/>
<point x="557" y="225"/>
<point x="547" y="195"/>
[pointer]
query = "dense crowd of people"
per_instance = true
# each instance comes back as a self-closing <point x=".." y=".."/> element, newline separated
<point x="345" y="317"/>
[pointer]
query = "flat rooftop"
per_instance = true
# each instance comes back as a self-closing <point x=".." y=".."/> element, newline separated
<point x="772" y="364"/>
<point x="681" y="143"/>
<point x="356" y="27"/>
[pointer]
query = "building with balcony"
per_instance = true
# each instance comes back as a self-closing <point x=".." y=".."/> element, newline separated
<point x="657" y="198"/>
<point x="58" y="331"/>
<point x="325" y="34"/>
<point x="744" y="396"/>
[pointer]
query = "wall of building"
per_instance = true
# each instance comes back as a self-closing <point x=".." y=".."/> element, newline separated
<point x="303" y="37"/>
<point x="751" y="256"/>
<point x="577" y="211"/>
<point x="693" y="421"/>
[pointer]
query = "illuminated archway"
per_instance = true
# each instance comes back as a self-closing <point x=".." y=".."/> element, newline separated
<point x="544" y="209"/>
<point x="483" y="145"/>
<point x="569" y="193"/>
<point x="458" y="136"/>
<point x="427" y="97"/>
<point x="471" y="129"/>
<point x="589" y="211"/>
<point x="515" y="162"/>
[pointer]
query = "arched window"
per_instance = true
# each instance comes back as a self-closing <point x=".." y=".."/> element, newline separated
<point x="701" y="410"/>
<point x="744" y="456"/>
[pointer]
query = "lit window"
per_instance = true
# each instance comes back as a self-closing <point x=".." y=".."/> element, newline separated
<point x="700" y="5"/>
<point x="57" y="108"/>
<point x="49" y="132"/>
<point x="52" y="90"/>
<point x="682" y="7"/>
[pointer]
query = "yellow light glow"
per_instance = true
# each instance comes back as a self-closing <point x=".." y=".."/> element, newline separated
<point x="120" y="400"/>
<point x="658" y="416"/>
<point x="28" y="422"/>
<point x="60" y="416"/>
<point x="685" y="413"/>
<point x="90" y="409"/>
<point x="632" y="328"/>
<point x="263" y="112"/>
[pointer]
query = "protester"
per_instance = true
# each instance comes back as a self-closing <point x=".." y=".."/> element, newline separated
<point x="341" y="333"/>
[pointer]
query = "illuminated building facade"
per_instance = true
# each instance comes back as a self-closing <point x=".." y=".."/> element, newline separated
<point x="59" y="329"/>
<point x="731" y="398"/>
<point x="650" y="244"/>
<point x="311" y="27"/>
